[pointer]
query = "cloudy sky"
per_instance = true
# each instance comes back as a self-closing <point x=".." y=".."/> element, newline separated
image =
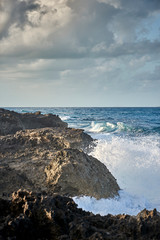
<point x="79" y="53"/>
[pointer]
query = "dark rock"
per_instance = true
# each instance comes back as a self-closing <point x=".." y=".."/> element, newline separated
<point x="11" y="122"/>
<point x="12" y="179"/>
<point x="35" y="216"/>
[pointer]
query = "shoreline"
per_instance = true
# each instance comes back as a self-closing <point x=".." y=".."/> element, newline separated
<point x="30" y="158"/>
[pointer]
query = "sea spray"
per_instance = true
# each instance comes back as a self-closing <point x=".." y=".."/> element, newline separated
<point x="134" y="162"/>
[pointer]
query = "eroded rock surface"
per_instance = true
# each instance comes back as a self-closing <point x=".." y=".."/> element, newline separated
<point x="43" y="159"/>
<point x="51" y="160"/>
<point x="11" y="122"/>
<point x="72" y="172"/>
<point x="35" y="216"/>
<point x="26" y="154"/>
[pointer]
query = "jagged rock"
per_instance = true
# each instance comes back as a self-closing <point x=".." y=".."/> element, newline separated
<point x="11" y="122"/>
<point x="74" y="173"/>
<point x="25" y="154"/>
<point x="50" y="159"/>
<point x="51" y="138"/>
<point x="35" y="216"/>
<point x="30" y="157"/>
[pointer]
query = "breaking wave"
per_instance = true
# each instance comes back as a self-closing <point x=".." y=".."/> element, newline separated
<point x="135" y="163"/>
<point x="64" y="118"/>
<point x="112" y="127"/>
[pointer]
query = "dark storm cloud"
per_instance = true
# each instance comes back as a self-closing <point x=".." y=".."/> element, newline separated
<point x="77" y="28"/>
<point x="16" y="13"/>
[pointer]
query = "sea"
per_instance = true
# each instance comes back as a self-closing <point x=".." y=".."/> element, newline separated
<point x="128" y="143"/>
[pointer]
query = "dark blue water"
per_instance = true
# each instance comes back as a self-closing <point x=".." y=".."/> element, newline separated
<point x="133" y="121"/>
<point x="128" y="143"/>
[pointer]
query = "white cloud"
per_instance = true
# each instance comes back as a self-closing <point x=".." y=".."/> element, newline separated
<point x="139" y="62"/>
<point x="114" y="3"/>
<point x="39" y="29"/>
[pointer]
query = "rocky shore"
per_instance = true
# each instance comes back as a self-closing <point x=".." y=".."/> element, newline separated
<point x="39" y="153"/>
<point x="32" y="216"/>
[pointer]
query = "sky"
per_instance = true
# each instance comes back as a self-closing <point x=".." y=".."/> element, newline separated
<point x="79" y="53"/>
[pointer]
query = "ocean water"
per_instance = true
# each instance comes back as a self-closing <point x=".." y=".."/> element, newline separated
<point x="128" y="143"/>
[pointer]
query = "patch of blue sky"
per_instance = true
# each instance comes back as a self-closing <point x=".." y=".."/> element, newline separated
<point x="149" y="29"/>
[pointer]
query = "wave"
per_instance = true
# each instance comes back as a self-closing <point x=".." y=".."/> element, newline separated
<point x="111" y="127"/>
<point x="64" y="118"/>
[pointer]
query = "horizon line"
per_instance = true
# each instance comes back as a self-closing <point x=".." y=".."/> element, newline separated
<point x="81" y="107"/>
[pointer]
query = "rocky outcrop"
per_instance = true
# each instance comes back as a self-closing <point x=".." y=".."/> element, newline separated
<point x="25" y="155"/>
<point x="35" y="216"/>
<point x="72" y="172"/>
<point x="11" y="122"/>
<point x="51" y="160"/>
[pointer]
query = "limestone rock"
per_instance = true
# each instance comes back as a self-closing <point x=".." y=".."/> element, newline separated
<point x="49" y="159"/>
<point x="74" y="173"/>
<point x="32" y="156"/>
<point x="25" y="154"/>
<point x="11" y="122"/>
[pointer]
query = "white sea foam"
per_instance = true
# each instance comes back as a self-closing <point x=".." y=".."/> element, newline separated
<point x="135" y="163"/>
<point x="64" y="118"/>
<point x="124" y="203"/>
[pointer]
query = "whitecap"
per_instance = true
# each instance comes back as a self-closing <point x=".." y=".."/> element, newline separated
<point x="64" y="118"/>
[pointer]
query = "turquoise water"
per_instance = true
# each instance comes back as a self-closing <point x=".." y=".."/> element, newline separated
<point x="128" y="143"/>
